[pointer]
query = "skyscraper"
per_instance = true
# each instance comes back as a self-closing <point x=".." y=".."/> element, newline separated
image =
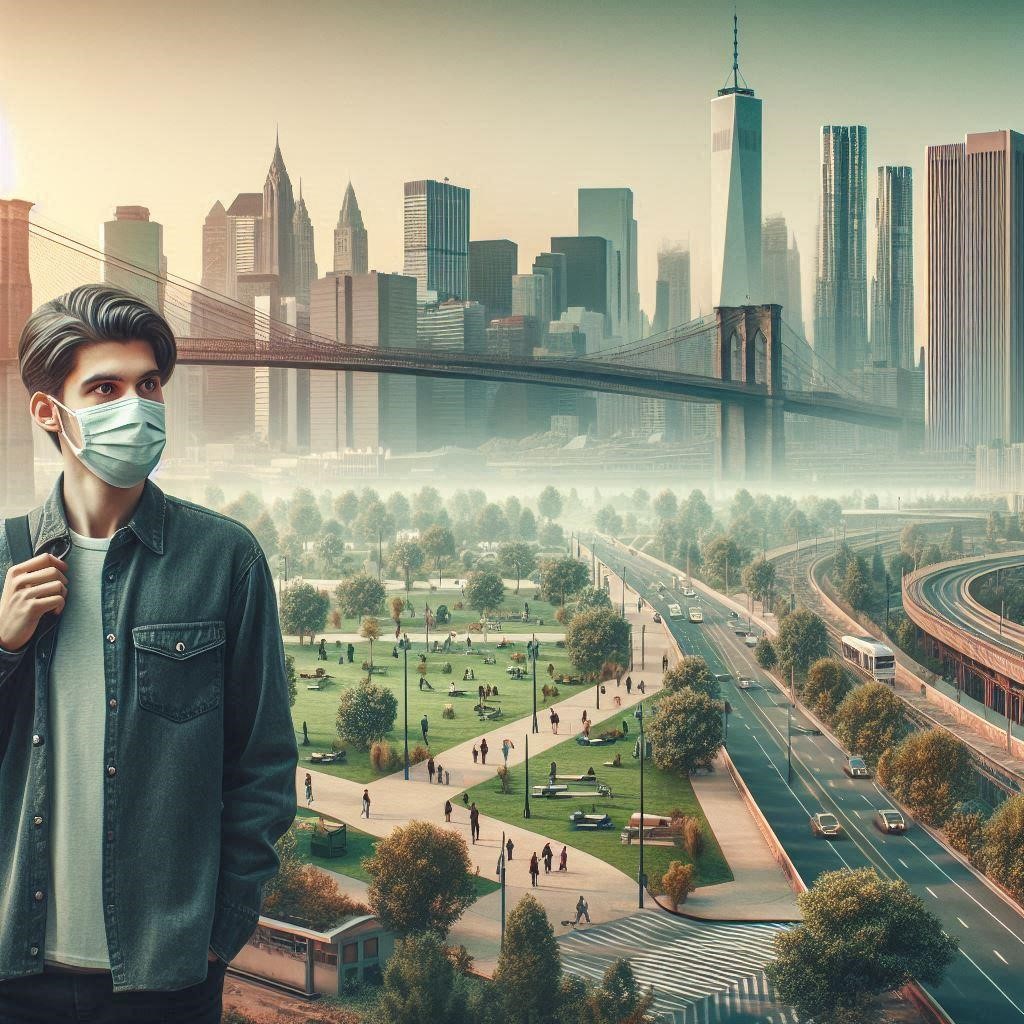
<point x="351" y="245"/>
<point x="492" y="265"/>
<point x="975" y="357"/>
<point x="590" y="273"/>
<point x="556" y="263"/>
<point x="437" y="239"/>
<point x="841" y="293"/>
<point x="305" y="257"/>
<point x="674" y="270"/>
<point x="735" y="191"/>
<point x="608" y="213"/>
<point x="780" y="271"/>
<point x="892" y="287"/>
<point x="531" y="296"/>
<point x="132" y="240"/>
<point x="278" y="248"/>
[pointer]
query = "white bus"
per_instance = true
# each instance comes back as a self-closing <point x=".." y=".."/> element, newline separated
<point x="696" y="614"/>
<point x="675" y="612"/>
<point x="870" y="655"/>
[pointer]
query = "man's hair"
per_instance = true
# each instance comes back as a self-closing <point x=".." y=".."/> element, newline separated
<point x="85" y="315"/>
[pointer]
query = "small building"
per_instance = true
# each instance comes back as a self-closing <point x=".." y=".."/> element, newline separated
<point x="309" y="961"/>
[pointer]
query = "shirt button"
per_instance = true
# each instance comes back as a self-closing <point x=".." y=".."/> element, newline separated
<point x="34" y="951"/>
<point x="111" y="638"/>
<point x="112" y="702"/>
<point x="37" y="895"/>
<point x="37" y="740"/>
<point x="37" y="820"/>
<point x="111" y="770"/>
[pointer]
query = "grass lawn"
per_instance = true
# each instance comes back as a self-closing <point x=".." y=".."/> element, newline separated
<point x="360" y="845"/>
<point x="462" y="617"/>
<point x="319" y="708"/>
<point x="663" y="792"/>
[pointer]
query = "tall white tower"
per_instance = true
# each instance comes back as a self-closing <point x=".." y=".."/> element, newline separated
<point x="735" y="191"/>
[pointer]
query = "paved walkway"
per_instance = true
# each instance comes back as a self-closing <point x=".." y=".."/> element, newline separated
<point x="610" y="893"/>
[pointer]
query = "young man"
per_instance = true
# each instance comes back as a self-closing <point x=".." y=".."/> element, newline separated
<point x="147" y="752"/>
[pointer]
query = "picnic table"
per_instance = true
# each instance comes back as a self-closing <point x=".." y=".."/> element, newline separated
<point x="332" y="757"/>
<point x="378" y="670"/>
<point x="579" y="820"/>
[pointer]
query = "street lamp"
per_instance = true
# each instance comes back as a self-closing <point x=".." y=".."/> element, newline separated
<point x="789" y="744"/>
<point x="526" y="804"/>
<point x="640" y="874"/>
<point x="533" y="651"/>
<point x="501" y="877"/>
<point x="622" y="611"/>
<point x="405" y="684"/>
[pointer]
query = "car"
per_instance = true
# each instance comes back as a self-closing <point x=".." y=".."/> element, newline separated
<point x="733" y="615"/>
<point x="890" y="821"/>
<point x="856" y="768"/>
<point x="657" y="617"/>
<point x="826" y="825"/>
<point x="689" y="592"/>
<point x="739" y="630"/>
<point x="723" y="677"/>
<point x="675" y="612"/>
<point x="746" y="682"/>
<point x="751" y="639"/>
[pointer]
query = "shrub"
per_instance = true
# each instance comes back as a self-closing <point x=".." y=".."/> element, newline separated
<point x="442" y="615"/>
<point x="677" y="882"/>
<point x="518" y="657"/>
<point x="418" y="753"/>
<point x="458" y="606"/>
<point x="505" y="779"/>
<point x="384" y="757"/>
<point x="366" y="713"/>
<point x="1004" y="845"/>
<point x="365" y="665"/>
<point x="448" y="711"/>
<point x="446" y="668"/>
<point x="612" y="734"/>
<point x="692" y="836"/>
<point x="966" y="834"/>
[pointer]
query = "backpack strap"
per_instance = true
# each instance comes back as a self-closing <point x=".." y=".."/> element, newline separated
<point x="19" y="539"/>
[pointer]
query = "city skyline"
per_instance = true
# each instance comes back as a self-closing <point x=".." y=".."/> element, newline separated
<point x="670" y="177"/>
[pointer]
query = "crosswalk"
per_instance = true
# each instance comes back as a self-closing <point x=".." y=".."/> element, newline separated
<point x="702" y="972"/>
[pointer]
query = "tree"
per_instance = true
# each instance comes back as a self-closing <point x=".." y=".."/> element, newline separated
<point x="420" y="879"/>
<point x="677" y="882"/>
<point x="1004" y="845"/>
<point x="560" y="577"/>
<point x="764" y="654"/>
<point x="528" y="975"/>
<point x="549" y="504"/>
<point x="360" y="595"/>
<point x="856" y="587"/>
<point x="516" y="559"/>
<point x="965" y="832"/>
<point x="912" y="539"/>
<point x="878" y="567"/>
<point x="346" y="507"/>
<point x="369" y="629"/>
<point x="869" y="721"/>
<point x="723" y="556"/>
<point x="289" y="674"/>
<point x="399" y="510"/>
<point x="374" y="523"/>
<point x="826" y="685"/>
<point x="407" y="556"/>
<point x="551" y="536"/>
<point x="438" y="544"/>
<point x="330" y="549"/>
<point x="591" y="597"/>
<point x="802" y="639"/>
<point x="491" y="524"/>
<point x="931" y="772"/>
<point x="608" y="520"/>
<point x="397" y="607"/>
<point x="640" y="498"/>
<point x="597" y="636"/>
<point x="303" y="609"/>
<point x="665" y="506"/>
<point x="420" y="984"/>
<point x="899" y="564"/>
<point x="303" y="514"/>
<point x="484" y="591"/>
<point x="686" y="731"/>
<point x="759" y="578"/>
<point x="617" y="999"/>
<point x="366" y="713"/>
<point x="861" y="936"/>
<point x="693" y="672"/>
<point x="527" y="529"/>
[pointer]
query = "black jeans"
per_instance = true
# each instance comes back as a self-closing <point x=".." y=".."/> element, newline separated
<point x="60" y="997"/>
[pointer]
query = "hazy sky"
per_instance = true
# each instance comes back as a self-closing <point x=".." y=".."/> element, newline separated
<point x="173" y="106"/>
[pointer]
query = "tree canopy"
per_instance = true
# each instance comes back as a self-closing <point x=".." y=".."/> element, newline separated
<point x="870" y="720"/>
<point x="685" y="731"/>
<point x="597" y="636"/>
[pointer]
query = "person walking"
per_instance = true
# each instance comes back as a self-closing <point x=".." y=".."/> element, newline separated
<point x="447" y="777"/>
<point x="554" y="722"/>
<point x="305" y="735"/>
<point x="509" y="847"/>
<point x="548" y="854"/>
<point x="629" y="686"/>
<point x="424" y="726"/>
<point x="321" y="654"/>
<point x="664" y="663"/>
<point x="640" y="686"/>
<point x="476" y="753"/>
<point x="534" y="870"/>
<point x="582" y="910"/>
<point x="469" y="643"/>
<point x="563" y="860"/>
<point x="474" y="822"/>
<point x="440" y="774"/>
<point x="430" y="768"/>
<point x="366" y="804"/>
<point x="309" y="789"/>
<point x="506" y="746"/>
<point x="483" y="751"/>
<point x="447" y="810"/>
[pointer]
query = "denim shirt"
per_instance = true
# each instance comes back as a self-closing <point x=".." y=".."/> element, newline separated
<point x="199" y="748"/>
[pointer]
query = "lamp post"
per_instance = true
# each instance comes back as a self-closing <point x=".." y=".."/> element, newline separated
<point x="501" y="879"/>
<point x="640" y="873"/>
<point x="405" y="685"/>
<point x="526" y="804"/>
<point x="379" y="557"/>
<point x="643" y="637"/>
<point x="533" y="651"/>
<point x="622" y="610"/>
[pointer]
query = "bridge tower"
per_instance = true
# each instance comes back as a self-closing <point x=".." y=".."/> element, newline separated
<point x="17" y="465"/>
<point x="748" y="350"/>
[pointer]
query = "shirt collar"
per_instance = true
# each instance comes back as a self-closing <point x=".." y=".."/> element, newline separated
<point x="147" y="521"/>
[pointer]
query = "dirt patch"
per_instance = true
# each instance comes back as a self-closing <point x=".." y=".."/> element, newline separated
<point x="259" y="1004"/>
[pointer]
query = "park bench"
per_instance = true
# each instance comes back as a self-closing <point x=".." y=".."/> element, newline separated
<point x="593" y="741"/>
<point x="589" y="822"/>
<point x="378" y="670"/>
<point x="313" y="686"/>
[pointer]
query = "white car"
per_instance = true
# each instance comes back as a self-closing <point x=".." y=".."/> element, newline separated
<point x="675" y="612"/>
<point x="689" y="592"/>
<point x="746" y="682"/>
<point x="750" y="640"/>
<point x="696" y="613"/>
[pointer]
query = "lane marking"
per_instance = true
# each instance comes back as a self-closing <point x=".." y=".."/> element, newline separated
<point x="1001" y="957"/>
<point x="992" y="983"/>
<point x="964" y="923"/>
<point x="929" y="890"/>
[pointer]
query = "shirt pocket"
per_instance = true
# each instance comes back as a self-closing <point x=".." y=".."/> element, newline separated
<point x="179" y="668"/>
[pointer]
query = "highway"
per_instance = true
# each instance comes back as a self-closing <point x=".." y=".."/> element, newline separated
<point x="984" y="984"/>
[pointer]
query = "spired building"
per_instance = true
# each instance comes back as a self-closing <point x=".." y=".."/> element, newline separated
<point x="892" y="287"/>
<point x="305" y="258"/>
<point x="735" y="191"/>
<point x="437" y="239"/>
<point x="841" y="295"/>
<point x="278" y="244"/>
<point x="351" y="249"/>
<point x="975" y="356"/>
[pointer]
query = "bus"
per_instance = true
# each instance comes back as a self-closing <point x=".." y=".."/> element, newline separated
<point x="696" y="614"/>
<point x="867" y="653"/>
<point x="675" y="612"/>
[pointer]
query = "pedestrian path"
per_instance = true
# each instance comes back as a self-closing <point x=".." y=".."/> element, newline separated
<point x="700" y="971"/>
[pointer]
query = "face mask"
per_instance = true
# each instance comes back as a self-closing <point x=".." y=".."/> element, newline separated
<point x="122" y="441"/>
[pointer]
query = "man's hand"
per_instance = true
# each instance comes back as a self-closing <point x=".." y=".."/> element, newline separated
<point x="31" y="589"/>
